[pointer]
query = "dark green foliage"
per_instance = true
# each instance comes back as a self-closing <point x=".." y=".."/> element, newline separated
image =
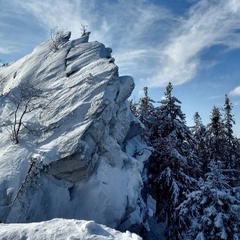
<point x="192" y="174"/>
<point x="213" y="211"/>
<point x="231" y="146"/>
<point x="173" y="164"/>
<point x="200" y="133"/>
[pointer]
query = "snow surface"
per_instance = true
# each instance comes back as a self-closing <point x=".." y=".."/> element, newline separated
<point x="63" y="229"/>
<point x="76" y="159"/>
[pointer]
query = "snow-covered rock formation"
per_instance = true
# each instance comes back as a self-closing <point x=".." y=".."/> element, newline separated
<point x="78" y="155"/>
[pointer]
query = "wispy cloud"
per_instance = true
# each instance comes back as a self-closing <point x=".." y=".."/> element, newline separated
<point x="7" y="50"/>
<point x="17" y="32"/>
<point x="6" y="46"/>
<point x="133" y="29"/>
<point x="235" y="91"/>
<point x="215" y="97"/>
<point x="207" y="24"/>
<point x="148" y="41"/>
<point x="51" y="13"/>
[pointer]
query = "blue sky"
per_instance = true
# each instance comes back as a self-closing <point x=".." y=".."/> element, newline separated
<point x="194" y="44"/>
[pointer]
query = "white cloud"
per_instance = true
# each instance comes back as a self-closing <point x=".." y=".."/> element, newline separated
<point x="133" y="30"/>
<point x="106" y="19"/>
<point x="51" y="13"/>
<point x="148" y="41"/>
<point x="208" y="23"/>
<point x="7" y="50"/>
<point x="235" y="91"/>
<point x="215" y="97"/>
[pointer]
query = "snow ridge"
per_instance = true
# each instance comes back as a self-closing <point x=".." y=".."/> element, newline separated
<point x="63" y="229"/>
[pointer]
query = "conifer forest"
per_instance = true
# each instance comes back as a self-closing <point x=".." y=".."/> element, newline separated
<point x="193" y="172"/>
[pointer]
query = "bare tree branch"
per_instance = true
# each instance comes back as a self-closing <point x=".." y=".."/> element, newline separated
<point x="26" y="99"/>
<point x="57" y="37"/>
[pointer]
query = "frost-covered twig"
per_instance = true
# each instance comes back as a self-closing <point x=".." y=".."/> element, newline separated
<point x="26" y="99"/>
<point x="56" y="37"/>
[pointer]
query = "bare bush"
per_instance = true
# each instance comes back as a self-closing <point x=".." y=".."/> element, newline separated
<point x="26" y="99"/>
<point x="57" y="37"/>
<point x="84" y="30"/>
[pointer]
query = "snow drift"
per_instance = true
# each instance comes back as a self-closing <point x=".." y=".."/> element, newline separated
<point x="78" y="154"/>
<point x="63" y="229"/>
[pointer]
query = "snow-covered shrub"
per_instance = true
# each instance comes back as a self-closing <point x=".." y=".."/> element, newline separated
<point x="210" y="214"/>
<point x="57" y="37"/>
<point x="25" y="98"/>
<point x="213" y="211"/>
<point x="84" y="30"/>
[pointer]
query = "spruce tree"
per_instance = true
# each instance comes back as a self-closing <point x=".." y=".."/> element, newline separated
<point x="232" y="146"/>
<point x="213" y="211"/>
<point x="228" y="119"/>
<point x="173" y="164"/>
<point x="216" y="138"/>
<point x="145" y="113"/>
<point x="199" y="131"/>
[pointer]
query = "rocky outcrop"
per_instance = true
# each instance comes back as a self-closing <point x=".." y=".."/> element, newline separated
<point x="85" y="139"/>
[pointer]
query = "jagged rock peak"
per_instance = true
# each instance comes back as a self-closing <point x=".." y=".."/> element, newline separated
<point x="76" y="156"/>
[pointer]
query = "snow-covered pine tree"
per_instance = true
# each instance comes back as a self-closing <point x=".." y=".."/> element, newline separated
<point x="199" y="131"/>
<point x="145" y="113"/>
<point x="216" y="139"/>
<point x="232" y="146"/>
<point x="198" y="128"/>
<point x="145" y="107"/>
<point x="173" y="164"/>
<point x="213" y="211"/>
<point x="228" y="119"/>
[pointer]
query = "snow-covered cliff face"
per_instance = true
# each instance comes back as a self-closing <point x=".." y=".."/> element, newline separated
<point x="78" y="155"/>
